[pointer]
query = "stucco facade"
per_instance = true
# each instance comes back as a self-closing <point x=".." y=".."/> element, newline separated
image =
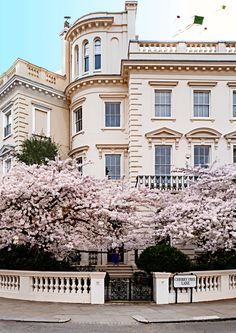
<point x="132" y="108"/>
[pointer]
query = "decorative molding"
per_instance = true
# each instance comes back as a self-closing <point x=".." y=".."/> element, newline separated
<point x="163" y="119"/>
<point x="203" y="134"/>
<point x="93" y="80"/>
<point x="7" y="106"/>
<point x="79" y="150"/>
<point x="16" y="81"/>
<point x="163" y="83"/>
<point x="229" y="137"/>
<point x="77" y="103"/>
<point x="113" y="96"/>
<point x="6" y="150"/>
<point x="231" y="84"/>
<point x="165" y="66"/>
<point x="112" y="147"/>
<point x="162" y="135"/>
<point x="209" y="84"/>
<point x="79" y="27"/>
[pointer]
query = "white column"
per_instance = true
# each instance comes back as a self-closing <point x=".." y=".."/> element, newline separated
<point x="97" y="287"/>
<point x="161" y="287"/>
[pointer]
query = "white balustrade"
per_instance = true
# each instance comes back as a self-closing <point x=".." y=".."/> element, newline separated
<point x="211" y="286"/>
<point x="68" y="287"/>
<point x="183" y="47"/>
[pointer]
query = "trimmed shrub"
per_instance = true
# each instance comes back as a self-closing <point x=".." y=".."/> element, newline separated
<point x="217" y="260"/>
<point x="163" y="258"/>
<point x="23" y="257"/>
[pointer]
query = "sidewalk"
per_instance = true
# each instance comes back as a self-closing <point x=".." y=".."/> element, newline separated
<point x="116" y="313"/>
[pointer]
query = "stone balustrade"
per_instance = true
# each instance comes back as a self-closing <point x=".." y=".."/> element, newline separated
<point x="27" y="70"/>
<point x="182" y="47"/>
<point x="211" y="286"/>
<point x="166" y="182"/>
<point x="66" y="287"/>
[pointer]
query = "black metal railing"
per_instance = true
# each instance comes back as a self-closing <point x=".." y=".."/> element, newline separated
<point x="166" y="182"/>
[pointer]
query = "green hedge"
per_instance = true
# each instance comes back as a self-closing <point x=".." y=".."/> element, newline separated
<point x="24" y="257"/>
<point x="215" y="261"/>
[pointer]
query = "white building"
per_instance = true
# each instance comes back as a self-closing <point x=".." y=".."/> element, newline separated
<point x="133" y="108"/>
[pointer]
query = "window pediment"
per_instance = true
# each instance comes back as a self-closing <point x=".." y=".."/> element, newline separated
<point x="229" y="137"/>
<point x="163" y="134"/>
<point x="203" y="133"/>
<point x="5" y="150"/>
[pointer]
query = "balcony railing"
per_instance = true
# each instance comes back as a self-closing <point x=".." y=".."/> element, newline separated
<point x="182" y="47"/>
<point x="7" y="130"/>
<point x="166" y="182"/>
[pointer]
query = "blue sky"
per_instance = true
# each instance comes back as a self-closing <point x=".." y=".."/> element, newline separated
<point x="29" y="29"/>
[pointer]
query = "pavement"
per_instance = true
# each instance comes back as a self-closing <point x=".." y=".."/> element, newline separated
<point x="116" y="313"/>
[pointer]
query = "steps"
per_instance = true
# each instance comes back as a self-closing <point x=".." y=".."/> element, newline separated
<point x="120" y="271"/>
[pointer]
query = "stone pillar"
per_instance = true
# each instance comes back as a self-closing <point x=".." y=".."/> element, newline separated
<point x="161" y="287"/>
<point x="97" y="287"/>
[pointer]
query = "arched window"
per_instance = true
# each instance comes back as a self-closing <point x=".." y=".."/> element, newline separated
<point x="76" y="57"/>
<point x="97" y="53"/>
<point x="86" y="56"/>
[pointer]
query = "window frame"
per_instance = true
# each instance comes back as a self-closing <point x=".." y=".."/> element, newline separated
<point x="45" y="109"/>
<point x="171" y="158"/>
<point x="171" y="102"/>
<point x="121" y="164"/>
<point x="7" y="114"/>
<point x="97" y="53"/>
<point x="80" y="107"/>
<point x="121" y="112"/>
<point x="233" y="150"/>
<point x="210" y="155"/>
<point x="4" y="170"/>
<point x="233" y="116"/>
<point x="201" y="90"/>
<point x="76" y="61"/>
<point x="86" y="56"/>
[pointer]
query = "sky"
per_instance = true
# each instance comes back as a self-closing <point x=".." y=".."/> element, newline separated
<point x="30" y="29"/>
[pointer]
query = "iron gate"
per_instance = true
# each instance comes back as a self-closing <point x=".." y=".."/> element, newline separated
<point x="129" y="289"/>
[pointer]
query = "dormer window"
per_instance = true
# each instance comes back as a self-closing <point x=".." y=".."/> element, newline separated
<point x="86" y="56"/>
<point x="97" y="54"/>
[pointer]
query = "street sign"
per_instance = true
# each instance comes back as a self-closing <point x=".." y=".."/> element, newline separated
<point x="185" y="281"/>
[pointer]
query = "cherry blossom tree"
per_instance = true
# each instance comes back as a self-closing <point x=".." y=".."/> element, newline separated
<point x="56" y="208"/>
<point x="203" y="215"/>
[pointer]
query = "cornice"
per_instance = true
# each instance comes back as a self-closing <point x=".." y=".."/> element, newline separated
<point x="19" y="81"/>
<point x="113" y="95"/>
<point x="163" y="83"/>
<point x="93" y="80"/>
<point x="209" y="84"/>
<point x="79" y="150"/>
<point x="87" y="24"/>
<point x="179" y="66"/>
<point x="112" y="147"/>
<point x="231" y="84"/>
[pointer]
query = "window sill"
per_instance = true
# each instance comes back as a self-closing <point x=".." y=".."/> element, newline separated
<point x="163" y="118"/>
<point x="6" y="137"/>
<point x="232" y="120"/>
<point x="97" y="70"/>
<point x="78" y="133"/>
<point x="113" y="129"/>
<point x="202" y="119"/>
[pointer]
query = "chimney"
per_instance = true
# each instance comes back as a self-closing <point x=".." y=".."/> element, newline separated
<point x="131" y="9"/>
